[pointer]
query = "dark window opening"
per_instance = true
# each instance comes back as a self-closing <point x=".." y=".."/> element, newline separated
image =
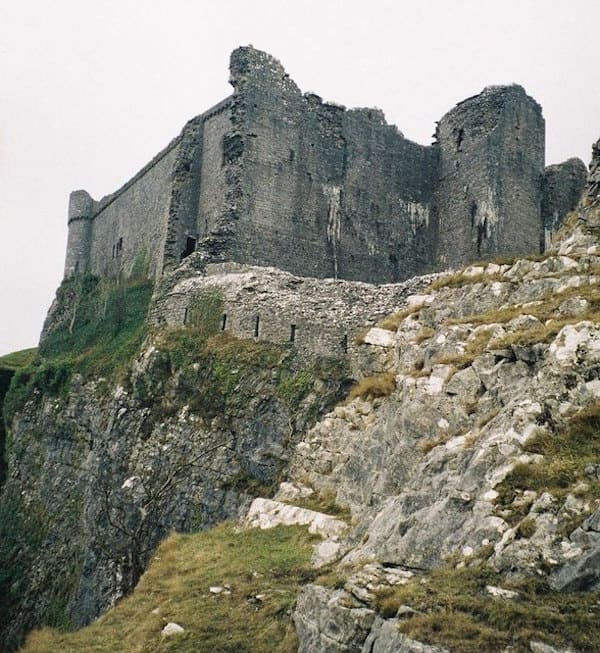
<point x="190" y="247"/>
<point x="293" y="333"/>
<point x="185" y="315"/>
<point x="292" y="155"/>
<point x="76" y="270"/>
<point x="473" y="214"/>
<point x="459" y="139"/>
<point x="345" y="343"/>
<point x="480" y="236"/>
<point x="256" y="325"/>
<point x="118" y="248"/>
<point x="114" y="251"/>
<point x="224" y="322"/>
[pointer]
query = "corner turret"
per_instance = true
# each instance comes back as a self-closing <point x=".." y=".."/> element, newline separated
<point x="80" y="221"/>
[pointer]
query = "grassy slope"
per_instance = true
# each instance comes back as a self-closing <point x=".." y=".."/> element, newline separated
<point x="271" y="564"/>
<point x="455" y="610"/>
<point x="18" y="359"/>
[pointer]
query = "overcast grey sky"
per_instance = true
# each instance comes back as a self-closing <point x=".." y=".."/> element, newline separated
<point x="92" y="89"/>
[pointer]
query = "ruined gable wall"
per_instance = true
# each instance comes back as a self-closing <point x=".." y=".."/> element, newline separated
<point x="563" y="186"/>
<point x="491" y="166"/>
<point x="323" y="191"/>
<point x="199" y="183"/>
<point x="214" y="201"/>
<point x="386" y="201"/>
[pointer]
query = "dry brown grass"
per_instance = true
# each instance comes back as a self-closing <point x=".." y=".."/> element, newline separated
<point x="459" y="279"/>
<point x="475" y="347"/>
<point x="392" y="322"/>
<point x="424" y="334"/>
<point x="431" y="443"/>
<point x="378" y="385"/>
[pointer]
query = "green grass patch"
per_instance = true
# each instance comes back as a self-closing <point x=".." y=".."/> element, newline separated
<point x="455" y="611"/>
<point x="566" y="455"/>
<point x="18" y="359"/>
<point x="205" y="312"/>
<point x="262" y="571"/>
<point x="218" y="373"/>
<point x="50" y="377"/>
<point x="293" y="389"/>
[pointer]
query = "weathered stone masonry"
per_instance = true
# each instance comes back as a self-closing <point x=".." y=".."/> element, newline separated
<point x="274" y="177"/>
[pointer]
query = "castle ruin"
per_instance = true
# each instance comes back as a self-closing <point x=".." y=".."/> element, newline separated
<point x="273" y="177"/>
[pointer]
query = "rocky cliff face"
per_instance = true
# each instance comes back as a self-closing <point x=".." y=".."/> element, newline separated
<point x="108" y="454"/>
<point x="98" y="476"/>
<point x="468" y="449"/>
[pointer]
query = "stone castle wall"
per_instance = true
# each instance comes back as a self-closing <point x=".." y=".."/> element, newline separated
<point x="274" y="177"/>
<point x="325" y="192"/>
<point x="326" y="317"/>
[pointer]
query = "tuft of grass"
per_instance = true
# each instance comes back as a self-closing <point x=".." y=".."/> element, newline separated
<point x="470" y="405"/>
<point x="526" y="528"/>
<point x="431" y="443"/>
<point x="424" y="334"/>
<point x="459" y="279"/>
<point x="566" y="455"/>
<point x="378" y="385"/>
<point x="474" y="348"/>
<point x="392" y="322"/>
<point x="457" y="613"/>
<point x="325" y="502"/>
<point x="261" y="572"/>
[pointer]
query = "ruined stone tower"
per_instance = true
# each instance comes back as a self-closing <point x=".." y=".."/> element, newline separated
<point x="272" y="176"/>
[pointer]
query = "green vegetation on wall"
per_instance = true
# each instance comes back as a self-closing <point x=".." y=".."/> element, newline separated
<point x="97" y="327"/>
